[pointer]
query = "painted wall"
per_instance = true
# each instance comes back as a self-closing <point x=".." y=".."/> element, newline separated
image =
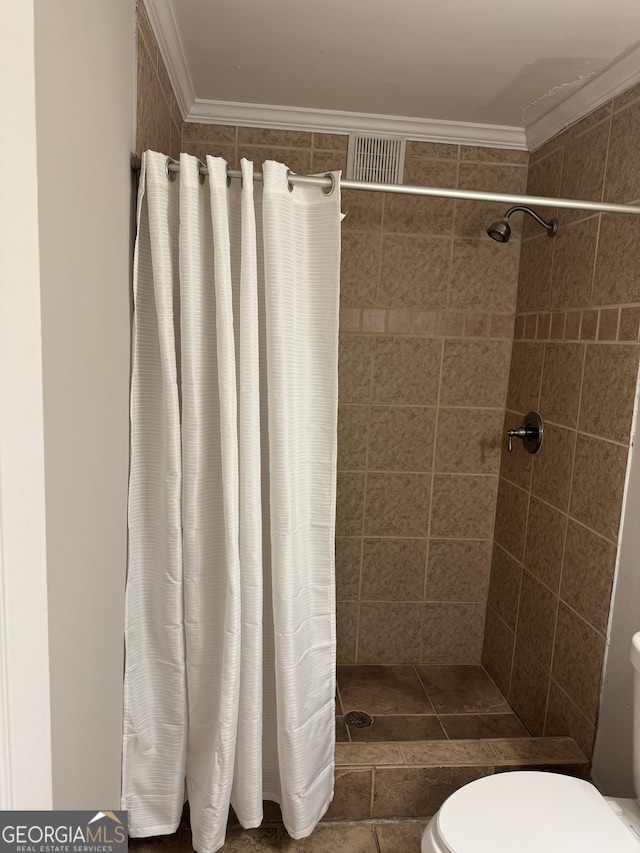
<point x="85" y="90"/>
<point x="575" y="359"/>
<point x="25" y="736"/>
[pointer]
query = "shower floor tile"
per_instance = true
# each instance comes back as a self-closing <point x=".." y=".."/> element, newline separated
<point x="469" y="726"/>
<point x="437" y="702"/>
<point x="341" y="730"/>
<point x="462" y="690"/>
<point x="382" y="690"/>
<point x="398" y="727"/>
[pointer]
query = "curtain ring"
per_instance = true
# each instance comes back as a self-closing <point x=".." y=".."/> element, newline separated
<point x="329" y="190"/>
<point x="289" y="184"/>
<point x="228" y="175"/>
<point x="201" y="175"/>
<point x="170" y="175"/>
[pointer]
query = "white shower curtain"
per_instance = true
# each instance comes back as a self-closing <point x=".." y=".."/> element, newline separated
<point x="230" y="620"/>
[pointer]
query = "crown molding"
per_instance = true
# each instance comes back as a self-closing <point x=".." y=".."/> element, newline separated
<point x="612" y="81"/>
<point x="165" y="29"/>
<point x="623" y="73"/>
<point x="336" y="121"/>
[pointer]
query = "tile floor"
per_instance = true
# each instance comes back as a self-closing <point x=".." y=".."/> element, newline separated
<point x="413" y="703"/>
<point x="361" y="837"/>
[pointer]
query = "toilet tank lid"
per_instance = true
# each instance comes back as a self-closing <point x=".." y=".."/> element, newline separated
<point x="529" y="812"/>
<point x="635" y="651"/>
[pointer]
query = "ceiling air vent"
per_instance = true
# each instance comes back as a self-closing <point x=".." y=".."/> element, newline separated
<point x="375" y="159"/>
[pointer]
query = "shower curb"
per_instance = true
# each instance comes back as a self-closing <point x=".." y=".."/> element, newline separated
<point x="413" y="779"/>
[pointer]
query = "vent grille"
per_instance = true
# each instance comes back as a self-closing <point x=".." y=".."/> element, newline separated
<point x="375" y="159"/>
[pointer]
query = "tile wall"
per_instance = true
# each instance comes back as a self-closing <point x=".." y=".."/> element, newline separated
<point x="427" y="308"/>
<point x="575" y="359"/>
<point x="427" y="311"/>
<point x="159" y="120"/>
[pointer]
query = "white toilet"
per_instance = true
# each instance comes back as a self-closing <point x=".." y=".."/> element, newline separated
<point x="535" y="812"/>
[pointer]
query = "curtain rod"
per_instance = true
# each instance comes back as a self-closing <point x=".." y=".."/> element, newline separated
<point x="433" y="192"/>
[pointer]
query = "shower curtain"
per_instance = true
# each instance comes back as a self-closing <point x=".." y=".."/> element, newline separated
<point x="230" y="605"/>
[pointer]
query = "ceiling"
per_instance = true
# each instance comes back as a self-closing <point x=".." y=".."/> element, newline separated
<point x="519" y="66"/>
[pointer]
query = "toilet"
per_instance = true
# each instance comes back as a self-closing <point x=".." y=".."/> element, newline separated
<point x="536" y="812"/>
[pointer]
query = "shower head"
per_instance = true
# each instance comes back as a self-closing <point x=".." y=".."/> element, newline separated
<point x="501" y="230"/>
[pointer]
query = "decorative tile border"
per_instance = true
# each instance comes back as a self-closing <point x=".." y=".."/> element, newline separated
<point x="450" y="324"/>
<point x="590" y="324"/>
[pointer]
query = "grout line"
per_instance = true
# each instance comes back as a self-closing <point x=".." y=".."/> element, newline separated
<point x="618" y="324"/>
<point x="442" y="726"/>
<point x="431" y="490"/>
<point x="563" y="512"/>
<point x="624" y="444"/>
<point x="423" y="235"/>
<point x="373" y="788"/>
<point x="416" y="601"/>
<point x="411" y="537"/>
<point x="515" y="627"/>
<point x="426" y="692"/>
<point x="606" y="163"/>
<point x="438" y="714"/>
<point x="363" y="405"/>
<point x="599" y="341"/>
<point x="574" y="703"/>
<point x="402" y="472"/>
<point x="374" y="830"/>
<point x="502" y="619"/>
<point x="452" y="237"/>
<point x="623" y="107"/>
<point x="380" y="233"/>
<point x="551" y="276"/>
<point x="549" y="588"/>
<point x="497" y="713"/>
<point x="365" y="490"/>
<point x="593" y="274"/>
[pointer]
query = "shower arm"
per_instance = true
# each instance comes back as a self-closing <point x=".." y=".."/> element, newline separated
<point x="551" y="226"/>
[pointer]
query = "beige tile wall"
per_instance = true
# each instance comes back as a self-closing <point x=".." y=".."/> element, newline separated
<point x="575" y="359"/>
<point x="427" y="321"/>
<point x="159" y="121"/>
<point x="426" y="327"/>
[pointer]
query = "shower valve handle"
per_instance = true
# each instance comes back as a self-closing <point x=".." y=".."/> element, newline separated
<point x="521" y="432"/>
<point x="530" y="432"/>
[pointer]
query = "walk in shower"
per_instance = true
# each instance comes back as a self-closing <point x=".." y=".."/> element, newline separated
<point x="473" y="584"/>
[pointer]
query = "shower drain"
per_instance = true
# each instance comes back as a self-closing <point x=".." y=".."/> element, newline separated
<point x="358" y="719"/>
